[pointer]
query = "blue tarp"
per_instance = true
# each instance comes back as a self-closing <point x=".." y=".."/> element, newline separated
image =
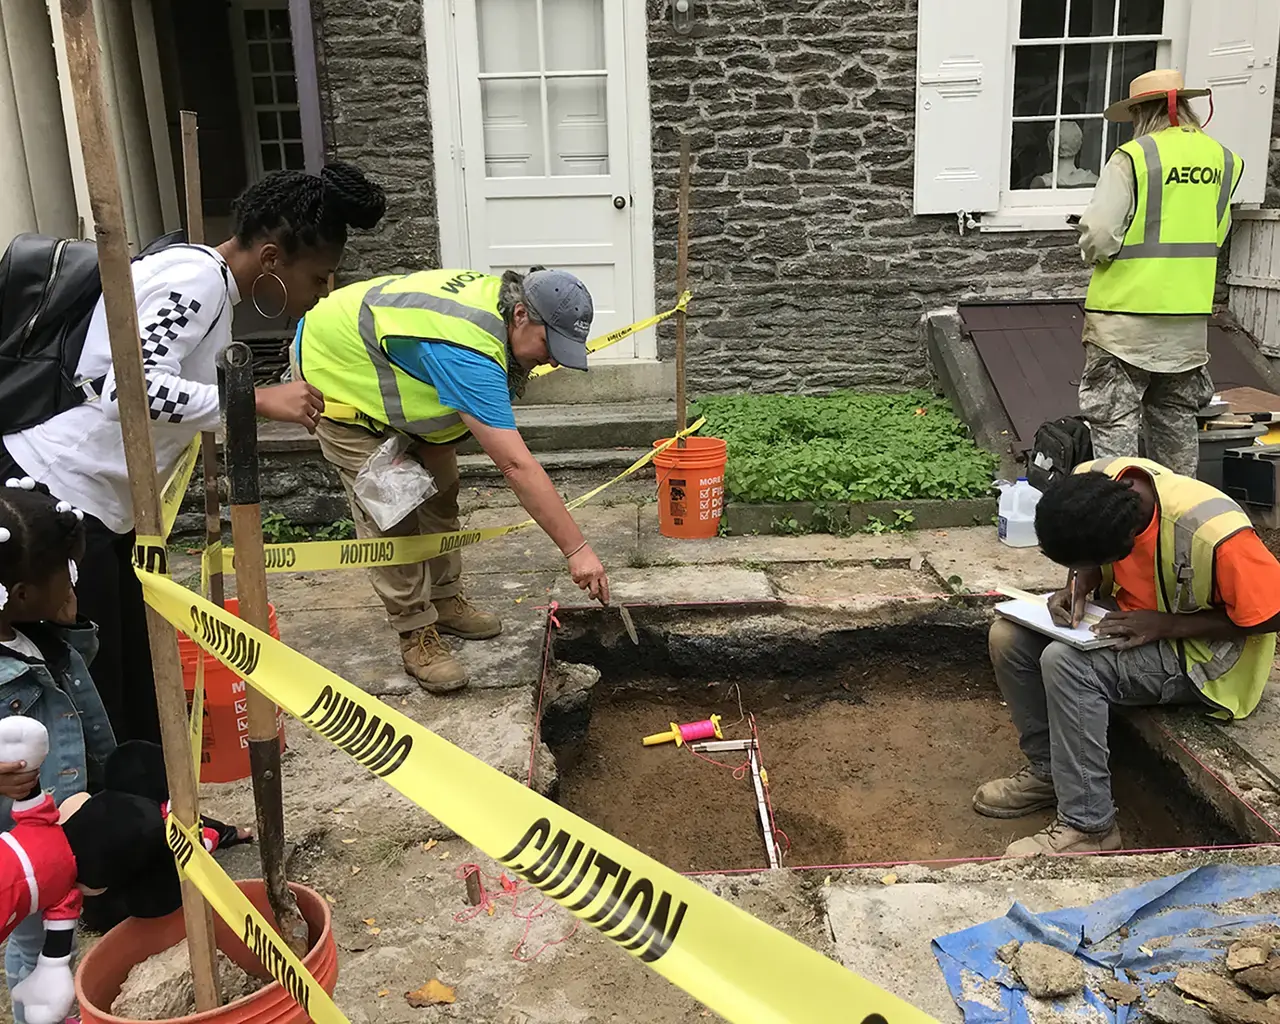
<point x="1180" y="912"/>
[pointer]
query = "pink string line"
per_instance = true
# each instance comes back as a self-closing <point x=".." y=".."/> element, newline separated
<point x="552" y="624"/>
<point x="990" y="859"/>
<point x="502" y="888"/>
<point x="790" y="600"/>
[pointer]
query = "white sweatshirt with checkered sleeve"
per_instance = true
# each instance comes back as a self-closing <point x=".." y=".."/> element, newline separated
<point x="185" y="301"/>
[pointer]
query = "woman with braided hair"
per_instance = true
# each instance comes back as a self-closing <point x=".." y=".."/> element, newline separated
<point x="290" y="230"/>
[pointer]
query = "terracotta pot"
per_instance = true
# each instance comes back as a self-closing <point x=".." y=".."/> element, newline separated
<point x="104" y="968"/>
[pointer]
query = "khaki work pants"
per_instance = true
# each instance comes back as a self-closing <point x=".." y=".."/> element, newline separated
<point x="406" y="590"/>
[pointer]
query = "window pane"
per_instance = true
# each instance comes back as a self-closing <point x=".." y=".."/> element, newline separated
<point x="282" y="56"/>
<point x="259" y="59"/>
<point x="290" y="124"/>
<point x="508" y="31"/>
<point x="271" y="158"/>
<point x="1084" y="79"/>
<point x="262" y="94"/>
<point x="1143" y="17"/>
<point x="278" y="23"/>
<point x="255" y="24"/>
<point x="1128" y="62"/>
<point x="1029" y="156"/>
<point x="579" y="125"/>
<point x="1042" y="19"/>
<point x="1092" y="17"/>
<point x="1118" y="135"/>
<point x="511" y="111"/>
<point x="268" y="128"/>
<point x="286" y="89"/>
<point x="293" y="158"/>
<point x="573" y="33"/>
<point x="1035" y="80"/>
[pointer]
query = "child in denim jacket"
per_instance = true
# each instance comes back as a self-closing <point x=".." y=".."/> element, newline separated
<point x="44" y="652"/>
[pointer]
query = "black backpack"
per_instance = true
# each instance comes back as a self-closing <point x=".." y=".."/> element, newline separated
<point x="48" y="290"/>
<point x="1059" y="446"/>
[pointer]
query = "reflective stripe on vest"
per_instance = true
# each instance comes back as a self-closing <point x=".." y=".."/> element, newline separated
<point x="387" y="308"/>
<point x="1167" y="264"/>
<point x="1195" y="519"/>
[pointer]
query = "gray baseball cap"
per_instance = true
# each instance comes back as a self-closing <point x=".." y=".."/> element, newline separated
<point x="564" y="305"/>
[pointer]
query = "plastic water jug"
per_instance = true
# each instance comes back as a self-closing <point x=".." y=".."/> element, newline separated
<point x="1018" y="514"/>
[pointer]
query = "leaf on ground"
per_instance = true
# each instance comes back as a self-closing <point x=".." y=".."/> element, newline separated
<point x="355" y="870"/>
<point x="370" y="921"/>
<point x="433" y="993"/>
<point x="383" y="993"/>
<point x="348" y="842"/>
<point x="430" y="844"/>
<point x="889" y="879"/>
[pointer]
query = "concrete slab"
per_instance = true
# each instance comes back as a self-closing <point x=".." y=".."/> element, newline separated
<point x="611" y="531"/>
<point x="512" y="659"/>
<point x="656" y="549"/>
<point x="355" y="642"/>
<point x="884" y="932"/>
<point x="686" y="584"/>
<point x="851" y="586"/>
<point x="982" y="562"/>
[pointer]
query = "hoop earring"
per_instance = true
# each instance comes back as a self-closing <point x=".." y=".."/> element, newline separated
<point x="253" y="296"/>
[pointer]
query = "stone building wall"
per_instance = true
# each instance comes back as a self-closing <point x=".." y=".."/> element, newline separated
<point x="373" y="95"/>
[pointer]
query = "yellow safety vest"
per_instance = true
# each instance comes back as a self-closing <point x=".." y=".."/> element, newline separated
<point x="1194" y="520"/>
<point x="1168" y="263"/>
<point x="343" y="348"/>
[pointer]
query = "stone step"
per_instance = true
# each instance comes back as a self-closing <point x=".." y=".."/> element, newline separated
<point x="594" y="464"/>
<point x="554" y="428"/>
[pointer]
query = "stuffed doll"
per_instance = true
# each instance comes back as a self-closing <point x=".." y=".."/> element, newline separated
<point x="112" y="842"/>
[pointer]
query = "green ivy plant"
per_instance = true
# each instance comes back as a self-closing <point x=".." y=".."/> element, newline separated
<point x="846" y="447"/>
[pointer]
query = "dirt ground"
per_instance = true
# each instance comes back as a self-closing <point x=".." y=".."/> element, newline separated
<point x="886" y="780"/>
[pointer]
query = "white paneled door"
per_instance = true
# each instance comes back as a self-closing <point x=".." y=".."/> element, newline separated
<point x="546" y="170"/>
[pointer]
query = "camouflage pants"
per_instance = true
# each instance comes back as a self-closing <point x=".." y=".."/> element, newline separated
<point x="1122" y="403"/>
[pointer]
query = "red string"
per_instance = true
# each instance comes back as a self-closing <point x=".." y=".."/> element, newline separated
<point x="504" y="887"/>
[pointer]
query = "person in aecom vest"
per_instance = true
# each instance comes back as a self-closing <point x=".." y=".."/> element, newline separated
<point x="1199" y="606"/>
<point x="439" y="355"/>
<point x="1152" y="231"/>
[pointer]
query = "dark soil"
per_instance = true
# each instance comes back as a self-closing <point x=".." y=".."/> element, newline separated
<point x="888" y="776"/>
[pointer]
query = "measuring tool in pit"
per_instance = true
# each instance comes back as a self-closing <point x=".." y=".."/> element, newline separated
<point x="753" y="757"/>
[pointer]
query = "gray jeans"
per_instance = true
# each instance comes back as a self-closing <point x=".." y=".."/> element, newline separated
<point x="1060" y="700"/>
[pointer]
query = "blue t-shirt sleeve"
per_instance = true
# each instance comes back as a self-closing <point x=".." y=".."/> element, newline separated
<point x="465" y="380"/>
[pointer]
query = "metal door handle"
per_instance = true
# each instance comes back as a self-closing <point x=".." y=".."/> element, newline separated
<point x="619" y="202"/>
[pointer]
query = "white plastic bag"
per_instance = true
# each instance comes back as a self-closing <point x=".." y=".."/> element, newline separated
<point x="393" y="483"/>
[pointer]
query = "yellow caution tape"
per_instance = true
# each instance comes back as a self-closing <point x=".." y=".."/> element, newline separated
<point x="310" y="556"/>
<point x="737" y="965"/>
<point x="248" y="924"/>
<point x="613" y="337"/>
<point x="176" y="487"/>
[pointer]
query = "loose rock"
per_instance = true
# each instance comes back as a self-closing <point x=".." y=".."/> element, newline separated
<point x="1165" y="1006"/>
<point x="161" y="987"/>
<point x="1121" y="991"/>
<point x="1008" y="951"/>
<point x="1264" y="980"/>
<point x="1048" y="972"/>
<point x="1249" y="953"/>
<point x="1227" y="1002"/>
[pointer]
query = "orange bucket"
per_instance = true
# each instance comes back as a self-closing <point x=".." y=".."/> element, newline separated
<point x="224" y="752"/>
<point x="691" y="487"/>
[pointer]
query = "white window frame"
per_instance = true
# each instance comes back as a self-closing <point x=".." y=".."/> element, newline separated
<point x="1044" y="209"/>
<point x="244" y="80"/>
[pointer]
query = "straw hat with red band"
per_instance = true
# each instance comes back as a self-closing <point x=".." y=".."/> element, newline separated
<point x="1152" y="86"/>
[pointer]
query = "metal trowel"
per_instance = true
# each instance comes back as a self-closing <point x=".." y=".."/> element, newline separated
<point x="629" y="625"/>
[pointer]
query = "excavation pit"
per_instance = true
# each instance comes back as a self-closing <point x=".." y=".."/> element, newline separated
<point x="874" y="739"/>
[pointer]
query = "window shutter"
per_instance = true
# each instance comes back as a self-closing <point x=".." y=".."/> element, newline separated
<point x="1232" y="50"/>
<point x="962" y="55"/>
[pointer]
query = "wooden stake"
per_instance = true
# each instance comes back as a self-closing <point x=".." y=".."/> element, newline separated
<point x="251" y="588"/>
<point x="208" y="442"/>
<point x="85" y="66"/>
<point x="682" y="282"/>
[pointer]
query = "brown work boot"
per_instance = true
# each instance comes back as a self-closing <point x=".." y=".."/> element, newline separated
<point x="428" y="659"/>
<point x="459" y="617"/>
<point x="1023" y="792"/>
<point x="1061" y="838"/>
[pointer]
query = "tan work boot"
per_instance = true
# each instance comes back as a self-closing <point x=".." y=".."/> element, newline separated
<point x="428" y="659"/>
<point x="459" y="617"/>
<point x="1021" y="793"/>
<point x="1061" y="838"/>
